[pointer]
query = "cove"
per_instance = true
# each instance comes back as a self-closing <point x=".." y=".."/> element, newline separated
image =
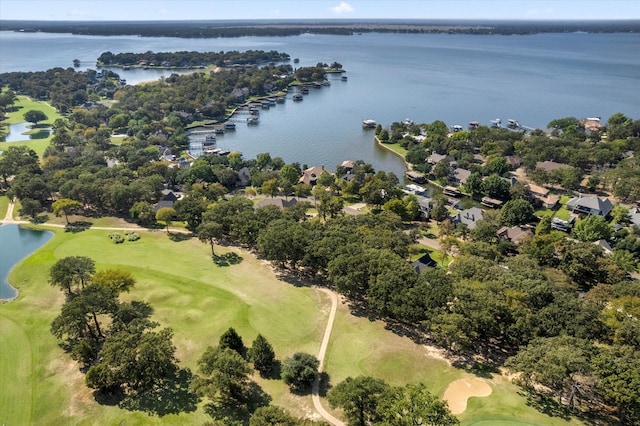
<point x="16" y="243"/>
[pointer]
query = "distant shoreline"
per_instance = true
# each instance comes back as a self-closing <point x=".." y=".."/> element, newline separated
<point x="270" y="28"/>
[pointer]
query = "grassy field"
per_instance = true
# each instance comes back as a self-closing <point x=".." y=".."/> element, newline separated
<point x="4" y="203"/>
<point x="22" y="105"/>
<point x="200" y="300"/>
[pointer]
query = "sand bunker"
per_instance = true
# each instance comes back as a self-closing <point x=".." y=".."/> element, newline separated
<point x="461" y="390"/>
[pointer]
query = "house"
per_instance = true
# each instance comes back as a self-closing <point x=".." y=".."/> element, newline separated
<point x="281" y="203"/>
<point x="436" y="158"/>
<point x="424" y="205"/>
<point x="549" y="166"/>
<point x="604" y="245"/>
<point x="311" y="175"/>
<point x="590" y="205"/>
<point x="168" y="199"/>
<point x="347" y="166"/>
<point x="416" y="177"/>
<point x="468" y="217"/>
<point x="538" y="191"/>
<point x="634" y="215"/>
<point x="514" y="161"/>
<point x="243" y="177"/>
<point x="424" y="263"/>
<point x="459" y="176"/>
<point x="542" y="194"/>
<point x="562" y="225"/>
<point x="515" y="234"/>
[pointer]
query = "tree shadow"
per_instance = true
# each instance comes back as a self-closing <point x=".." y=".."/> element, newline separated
<point x="231" y="411"/>
<point x="41" y="218"/>
<point x="172" y="397"/>
<point x="325" y="384"/>
<point x="78" y="226"/>
<point x="545" y="404"/>
<point x="227" y="259"/>
<point x="275" y="373"/>
<point x="178" y="237"/>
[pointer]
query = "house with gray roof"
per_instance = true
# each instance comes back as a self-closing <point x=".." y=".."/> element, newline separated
<point x="590" y="205"/>
<point x="468" y="217"/>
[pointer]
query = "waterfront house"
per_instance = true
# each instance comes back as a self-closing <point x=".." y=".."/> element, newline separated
<point x="347" y="166"/>
<point x="468" y="217"/>
<point x="459" y="176"/>
<point x="436" y="158"/>
<point x="423" y="263"/>
<point x="590" y="205"/>
<point x="310" y="176"/>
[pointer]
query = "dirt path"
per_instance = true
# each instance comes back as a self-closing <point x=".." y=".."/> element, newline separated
<point x="8" y="218"/>
<point x="315" y="390"/>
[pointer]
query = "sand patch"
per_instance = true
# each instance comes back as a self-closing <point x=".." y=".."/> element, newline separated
<point x="461" y="390"/>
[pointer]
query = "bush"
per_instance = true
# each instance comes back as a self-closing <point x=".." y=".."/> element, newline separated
<point x="116" y="237"/>
<point x="132" y="236"/>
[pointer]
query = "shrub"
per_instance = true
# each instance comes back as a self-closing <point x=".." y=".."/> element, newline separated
<point x="116" y="237"/>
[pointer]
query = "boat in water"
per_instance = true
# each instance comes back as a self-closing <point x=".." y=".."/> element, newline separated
<point x="369" y="124"/>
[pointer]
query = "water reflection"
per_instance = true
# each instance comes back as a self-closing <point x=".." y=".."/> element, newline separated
<point x="16" y="133"/>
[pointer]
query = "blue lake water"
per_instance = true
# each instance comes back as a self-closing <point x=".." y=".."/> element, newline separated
<point x="15" y="133"/>
<point x="454" y="78"/>
<point x="16" y="243"/>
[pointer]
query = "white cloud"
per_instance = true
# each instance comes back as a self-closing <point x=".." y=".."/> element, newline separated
<point x="342" y="8"/>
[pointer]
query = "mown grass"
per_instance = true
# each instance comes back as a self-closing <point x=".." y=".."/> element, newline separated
<point x="200" y="300"/>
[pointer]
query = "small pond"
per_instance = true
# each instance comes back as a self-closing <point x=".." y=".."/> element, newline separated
<point x="16" y="243"/>
<point x="16" y="133"/>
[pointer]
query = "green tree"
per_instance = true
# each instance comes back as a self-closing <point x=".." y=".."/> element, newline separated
<point x="558" y="363"/>
<point x="66" y="206"/>
<point x="166" y="214"/>
<point x="135" y="358"/>
<point x="496" y="187"/>
<point x="359" y="399"/>
<point x="190" y="209"/>
<point x="232" y="340"/>
<point x="262" y="355"/>
<point x="208" y="232"/>
<point x="79" y="323"/>
<point x="29" y="207"/>
<point x="71" y="270"/>
<point x="225" y="376"/>
<point x="618" y="372"/>
<point x="116" y="279"/>
<point x="592" y="228"/>
<point x="143" y="212"/>
<point x="35" y="116"/>
<point x="270" y="187"/>
<point x="516" y="212"/>
<point x="473" y="184"/>
<point x="273" y="416"/>
<point x="415" y="405"/>
<point x="441" y="170"/>
<point x="300" y="370"/>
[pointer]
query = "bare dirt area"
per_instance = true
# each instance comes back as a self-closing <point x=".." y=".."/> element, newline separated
<point x="461" y="390"/>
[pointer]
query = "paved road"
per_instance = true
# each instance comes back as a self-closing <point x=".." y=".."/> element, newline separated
<point x="315" y="390"/>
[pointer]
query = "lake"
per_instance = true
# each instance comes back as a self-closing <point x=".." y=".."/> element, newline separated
<point x="16" y="243"/>
<point x="425" y="77"/>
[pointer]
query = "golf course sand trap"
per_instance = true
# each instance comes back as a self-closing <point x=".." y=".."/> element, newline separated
<point x="461" y="390"/>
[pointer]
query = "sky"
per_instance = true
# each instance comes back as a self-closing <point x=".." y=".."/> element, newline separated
<point x="117" y="10"/>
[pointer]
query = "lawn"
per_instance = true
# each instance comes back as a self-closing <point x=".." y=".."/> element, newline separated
<point x="200" y="300"/>
<point x="22" y="105"/>
<point x="4" y="203"/>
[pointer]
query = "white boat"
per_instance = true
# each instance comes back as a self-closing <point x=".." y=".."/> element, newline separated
<point x="369" y="124"/>
<point x="496" y="123"/>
